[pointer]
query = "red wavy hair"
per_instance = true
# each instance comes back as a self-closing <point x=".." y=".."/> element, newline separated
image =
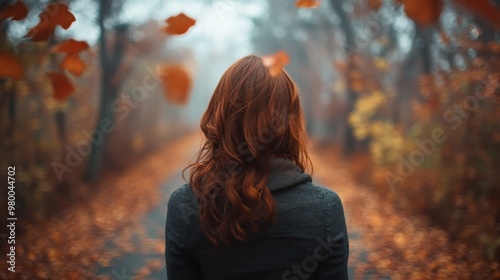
<point x="251" y="118"/>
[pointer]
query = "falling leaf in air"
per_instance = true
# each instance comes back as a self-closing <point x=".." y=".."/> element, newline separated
<point x="423" y="12"/>
<point x="71" y="46"/>
<point x="50" y="18"/>
<point x="275" y="62"/>
<point x="11" y="67"/>
<point x="72" y="61"/>
<point x="307" y="3"/>
<point x="375" y="4"/>
<point x="17" y="11"/>
<point x="61" y="85"/>
<point x="178" y="24"/>
<point x="176" y="83"/>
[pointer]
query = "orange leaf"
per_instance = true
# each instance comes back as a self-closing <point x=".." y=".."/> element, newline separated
<point x="375" y="4"/>
<point x="423" y="12"/>
<point x="17" y="11"/>
<point x="339" y="66"/>
<point x="356" y="85"/>
<point x="11" y="67"/>
<point x="176" y="82"/>
<point x="307" y="3"/>
<point x="178" y="24"/>
<point x="61" y="86"/>
<point x="275" y="62"/>
<point x="50" y="18"/>
<point x="71" y="46"/>
<point x="483" y="8"/>
<point x="73" y="63"/>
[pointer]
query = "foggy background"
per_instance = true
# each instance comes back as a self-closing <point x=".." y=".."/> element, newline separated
<point x="400" y="99"/>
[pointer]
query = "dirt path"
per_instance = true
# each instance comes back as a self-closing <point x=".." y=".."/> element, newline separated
<point x="82" y="242"/>
<point x="118" y="231"/>
<point x="391" y="243"/>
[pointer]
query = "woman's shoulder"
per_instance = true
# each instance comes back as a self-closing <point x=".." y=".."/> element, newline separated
<point x="182" y="198"/>
<point x="315" y="200"/>
<point x="309" y="210"/>
<point x="327" y="200"/>
<point x="324" y="193"/>
<point x="320" y="195"/>
<point x="182" y="206"/>
<point x="182" y="193"/>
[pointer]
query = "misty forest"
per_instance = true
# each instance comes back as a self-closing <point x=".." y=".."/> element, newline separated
<point x="100" y="103"/>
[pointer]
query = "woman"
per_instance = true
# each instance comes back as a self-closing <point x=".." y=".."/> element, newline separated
<point x="249" y="210"/>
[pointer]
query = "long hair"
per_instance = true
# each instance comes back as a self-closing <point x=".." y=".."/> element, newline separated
<point x="251" y="118"/>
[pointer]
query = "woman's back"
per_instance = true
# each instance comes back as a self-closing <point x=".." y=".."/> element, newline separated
<point x="249" y="210"/>
<point x="308" y="239"/>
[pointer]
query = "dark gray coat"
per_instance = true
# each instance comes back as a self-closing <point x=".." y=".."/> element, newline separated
<point x="307" y="241"/>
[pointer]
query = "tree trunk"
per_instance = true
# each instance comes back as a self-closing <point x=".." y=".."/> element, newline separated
<point x="349" y="139"/>
<point x="108" y="95"/>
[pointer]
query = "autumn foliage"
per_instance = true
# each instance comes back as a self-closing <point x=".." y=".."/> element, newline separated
<point x="375" y="4"/>
<point x="72" y="61"/>
<point x="57" y="14"/>
<point x="388" y="73"/>
<point x="307" y="3"/>
<point x="177" y="83"/>
<point x="482" y="8"/>
<point x="53" y="15"/>
<point x="11" y="67"/>
<point x="16" y="11"/>
<point x="276" y="62"/>
<point x="423" y="12"/>
<point x="179" y="24"/>
<point x="61" y="85"/>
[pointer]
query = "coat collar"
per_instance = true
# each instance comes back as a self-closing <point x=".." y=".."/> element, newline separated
<point x="285" y="174"/>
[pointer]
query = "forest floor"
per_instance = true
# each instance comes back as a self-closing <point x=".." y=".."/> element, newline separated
<point x="117" y="231"/>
